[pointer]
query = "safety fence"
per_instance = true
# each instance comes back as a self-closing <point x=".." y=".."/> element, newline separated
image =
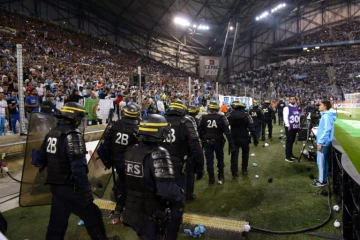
<point x="346" y="189"/>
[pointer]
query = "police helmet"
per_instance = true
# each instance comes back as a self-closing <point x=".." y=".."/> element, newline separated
<point x="153" y="128"/>
<point x="255" y="103"/>
<point x="193" y="110"/>
<point x="213" y="106"/>
<point x="131" y="110"/>
<point x="72" y="111"/>
<point x="237" y="104"/>
<point x="267" y="101"/>
<point x="178" y="106"/>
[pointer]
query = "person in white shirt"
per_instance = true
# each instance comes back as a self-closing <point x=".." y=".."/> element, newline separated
<point x="291" y="116"/>
<point x="40" y="90"/>
<point x="3" y="113"/>
<point x="160" y="107"/>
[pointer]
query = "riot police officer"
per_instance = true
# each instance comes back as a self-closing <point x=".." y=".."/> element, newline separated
<point x="257" y="116"/>
<point x="150" y="181"/>
<point x="241" y="124"/>
<point x="279" y="109"/>
<point x="118" y="137"/>
<point x="211" y="129"/>
<point x="193" y="111"/>
<point x="269" y="115"/>
<point x="63" y="152"/>
<point x="185" y="150"/>
<point x="191" y="167"/>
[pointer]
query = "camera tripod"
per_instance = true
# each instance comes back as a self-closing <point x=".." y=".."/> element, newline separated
<point x="310" y="136"/>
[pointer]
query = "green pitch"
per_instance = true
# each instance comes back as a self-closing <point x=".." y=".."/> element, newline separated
<point x="288" y="203"/>
<point x="347" y="132"/>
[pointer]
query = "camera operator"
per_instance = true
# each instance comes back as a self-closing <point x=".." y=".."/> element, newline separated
<point x="315" y="116"/>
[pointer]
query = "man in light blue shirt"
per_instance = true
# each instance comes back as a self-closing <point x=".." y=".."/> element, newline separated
<point x="324" y="139"/>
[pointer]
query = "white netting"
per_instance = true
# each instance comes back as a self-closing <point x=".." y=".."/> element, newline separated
<point x="352" y="102"/>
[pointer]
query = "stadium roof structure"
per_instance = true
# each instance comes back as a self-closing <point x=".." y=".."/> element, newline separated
<point x="147" y="26"/>
<point x="155" y="18"/>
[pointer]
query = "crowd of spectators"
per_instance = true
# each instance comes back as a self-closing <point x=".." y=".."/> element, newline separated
<point x="61" y="65"/>
<point x="347" y="31"/>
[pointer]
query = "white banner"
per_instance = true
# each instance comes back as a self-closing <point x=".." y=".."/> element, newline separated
<point x="211" y="67"/>
<point x="229" y="99"/>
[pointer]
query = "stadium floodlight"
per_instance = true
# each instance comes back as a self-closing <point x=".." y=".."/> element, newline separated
<point x="182" y="22"/>
<point x="231" y="28"/>
<point x="194" y="26"/>
<point x="317" y="47"/>
<point x="275" y="9"/>
<point x="308" y="50"/>
<point x="203" y="27"/>
<point x="305" y="48"/>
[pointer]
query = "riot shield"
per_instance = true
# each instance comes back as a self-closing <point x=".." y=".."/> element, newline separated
<point x="99" y="175"/>
<point x="33" y="192"/>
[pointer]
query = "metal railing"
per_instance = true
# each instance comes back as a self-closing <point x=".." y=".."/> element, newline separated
<point x="346" y="189"/>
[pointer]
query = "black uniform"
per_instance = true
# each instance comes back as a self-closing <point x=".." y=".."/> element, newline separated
<point x="269" y="115"/>
<point x="257" y="116"/>
<point x="211" y="129"/>
<point x="185" y="150"/>
<point x="279" y="109"/>
<point x="191" y="166"/>
<point x="150" y="186"/>
<point x="63" y="152"/>
<point x="241" y="124"/>
<point x="120" y="136"/>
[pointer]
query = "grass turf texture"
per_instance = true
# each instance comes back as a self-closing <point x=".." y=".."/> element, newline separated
<point x="349" y="143"/>
<point x="283" y="205"/>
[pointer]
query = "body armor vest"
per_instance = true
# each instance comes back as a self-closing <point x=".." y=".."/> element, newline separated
<point x="239" y="123"/>
<point x="213" y="126"/>
<point x="255" y="115"/>
<point x="139" y="200"/>
<point x="267" y="112"/>
<point x="175" y="143"/>
<point x="195" y="119"/>
<point x="58" y="165"/>
<point x="123" y="136"/>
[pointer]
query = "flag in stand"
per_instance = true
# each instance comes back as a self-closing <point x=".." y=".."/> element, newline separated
<point x="92" y="107"/>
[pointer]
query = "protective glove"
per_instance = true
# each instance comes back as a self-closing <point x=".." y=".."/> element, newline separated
<point x="231" y="148"/>
<point x="88" y="198"/>
<point x="199" y="175"/>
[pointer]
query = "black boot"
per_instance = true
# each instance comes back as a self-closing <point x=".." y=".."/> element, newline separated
<point x="262" y="138"/>
<point x="221" y="176"/>
<point x="211" y="178"/>
<point x="235" y="175"/>
<point x="244" y="171"/>
<point x="116" y="214"/>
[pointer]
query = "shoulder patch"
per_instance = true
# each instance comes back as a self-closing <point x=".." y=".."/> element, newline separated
<point x="134" y="169"/>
